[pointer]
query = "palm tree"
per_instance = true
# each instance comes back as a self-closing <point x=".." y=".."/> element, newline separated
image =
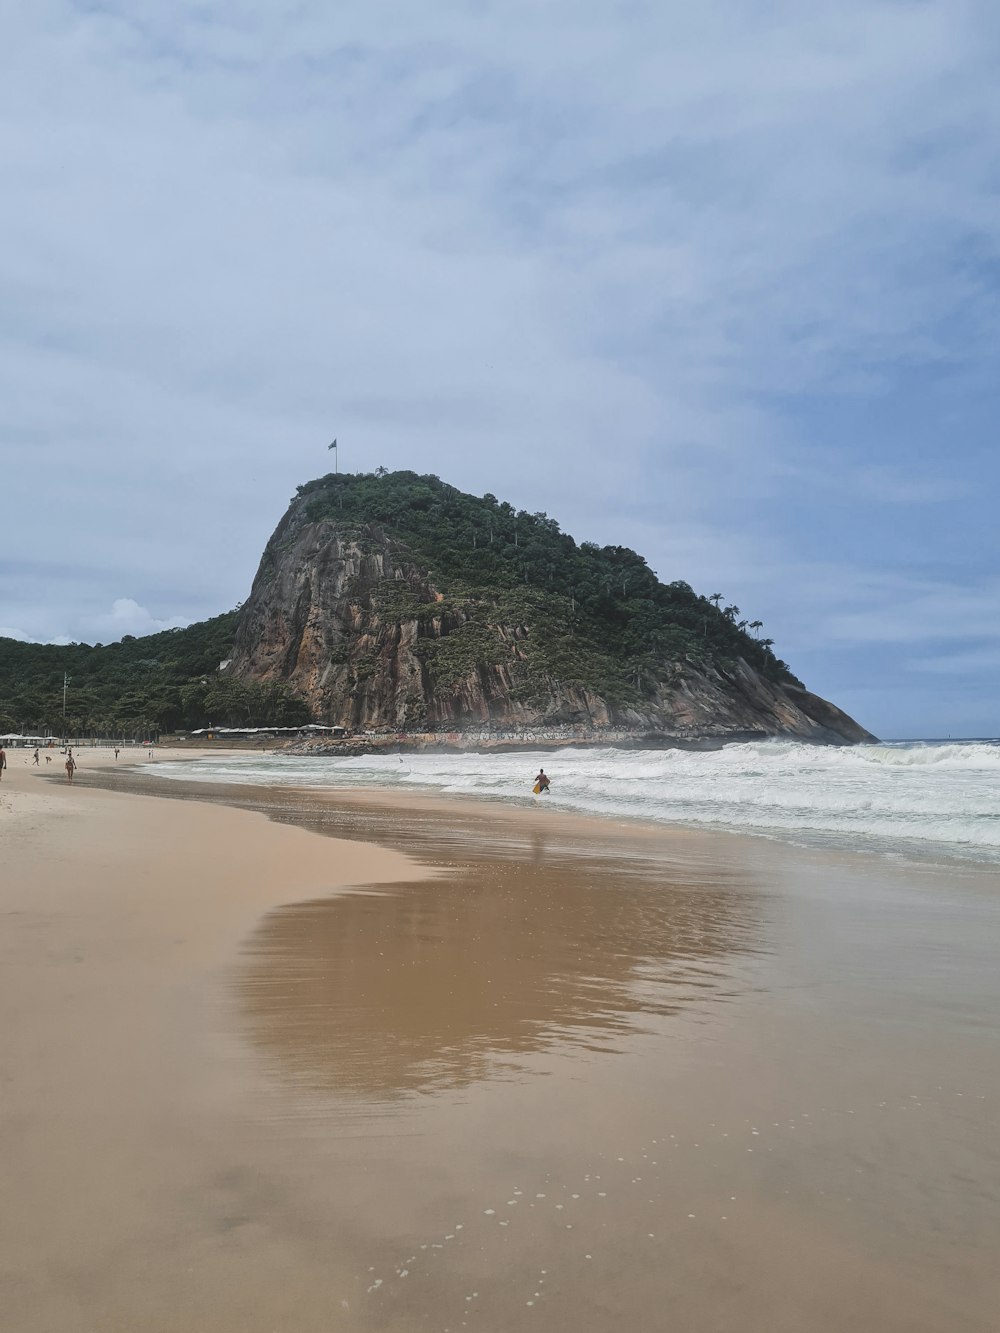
<point x="716" y="598"/>
<point x="756" y="625"/>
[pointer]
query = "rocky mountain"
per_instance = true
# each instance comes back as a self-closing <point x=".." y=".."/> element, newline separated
<point x="395" y="602"/>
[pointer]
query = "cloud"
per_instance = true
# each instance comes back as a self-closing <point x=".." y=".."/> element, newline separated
<point x="919" y="611"/>
<point x="977" y="661"/>
<point x="128" y="617"/>
<point x="717" y="281"/>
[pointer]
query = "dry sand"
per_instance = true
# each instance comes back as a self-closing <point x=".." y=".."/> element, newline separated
<point x="446" y="1067"/>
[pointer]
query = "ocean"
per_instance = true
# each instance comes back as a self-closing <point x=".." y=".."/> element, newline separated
<point x="924" y="800"/>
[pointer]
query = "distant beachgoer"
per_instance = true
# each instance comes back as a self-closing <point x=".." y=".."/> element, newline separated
<point x="70" y="766"/>
<point x="48" y="759"/>
<point x="36" y="756"/>
<point x="116" y="754"/>
<point x="3" y="760"/>
<point x="541" y="782"/>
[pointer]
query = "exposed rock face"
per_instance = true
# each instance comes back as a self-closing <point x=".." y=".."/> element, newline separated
<point x="332" y="614"/>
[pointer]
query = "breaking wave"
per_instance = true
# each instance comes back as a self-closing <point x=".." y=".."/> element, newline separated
<point x="923" y="798"/>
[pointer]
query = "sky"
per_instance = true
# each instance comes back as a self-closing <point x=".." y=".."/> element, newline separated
<point x="717" y="281"/>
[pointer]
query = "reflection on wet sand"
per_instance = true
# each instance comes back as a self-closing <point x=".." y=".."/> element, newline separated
<point x="820" y="1154"/>
<point x="457" y="978"/>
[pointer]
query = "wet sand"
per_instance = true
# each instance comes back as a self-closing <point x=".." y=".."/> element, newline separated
<point x="449" y="1067"/>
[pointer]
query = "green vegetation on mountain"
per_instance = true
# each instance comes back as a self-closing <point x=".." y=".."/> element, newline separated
<point x="586" y="616"/>
<point x="598" y="616"/>
<point x="136" y="687"/>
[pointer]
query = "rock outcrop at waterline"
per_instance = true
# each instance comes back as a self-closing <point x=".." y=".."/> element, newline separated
<point x="349" y="614"/>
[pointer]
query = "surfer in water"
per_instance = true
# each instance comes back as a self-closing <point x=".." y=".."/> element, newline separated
<point x="541" y="783"/>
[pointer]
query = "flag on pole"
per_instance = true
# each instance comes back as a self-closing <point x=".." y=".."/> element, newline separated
<point x="332" y="446"/>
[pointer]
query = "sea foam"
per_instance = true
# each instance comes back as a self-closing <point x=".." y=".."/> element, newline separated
<point x="928" y="798"/>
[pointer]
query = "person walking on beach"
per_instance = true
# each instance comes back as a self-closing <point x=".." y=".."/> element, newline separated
<point x="36" y="756"/>
<point x="3" y="760"/>
<point x="541" y="783"/>
<point x="116" y="754"/>
<point x="70" y="766"/>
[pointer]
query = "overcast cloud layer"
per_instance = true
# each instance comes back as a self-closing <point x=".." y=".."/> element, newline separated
<point x="717" y="281"/>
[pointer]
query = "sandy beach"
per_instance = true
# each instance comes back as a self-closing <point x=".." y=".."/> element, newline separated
<point x="289" y="1061"/>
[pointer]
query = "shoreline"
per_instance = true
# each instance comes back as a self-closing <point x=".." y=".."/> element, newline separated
<point x="256" y="1079"/>
<point x="914" y="853"/>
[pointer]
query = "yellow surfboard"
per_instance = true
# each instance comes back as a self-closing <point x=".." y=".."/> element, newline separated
<point x="537" y="789"/>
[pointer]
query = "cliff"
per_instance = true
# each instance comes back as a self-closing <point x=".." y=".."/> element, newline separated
<point x="396" y="602"/>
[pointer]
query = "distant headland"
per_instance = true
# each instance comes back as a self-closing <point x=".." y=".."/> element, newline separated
<point x="397" y="607"/>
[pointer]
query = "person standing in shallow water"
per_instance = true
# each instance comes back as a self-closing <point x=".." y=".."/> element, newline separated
<point x="70" y="766"/>
<point x="542" y="782"/>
